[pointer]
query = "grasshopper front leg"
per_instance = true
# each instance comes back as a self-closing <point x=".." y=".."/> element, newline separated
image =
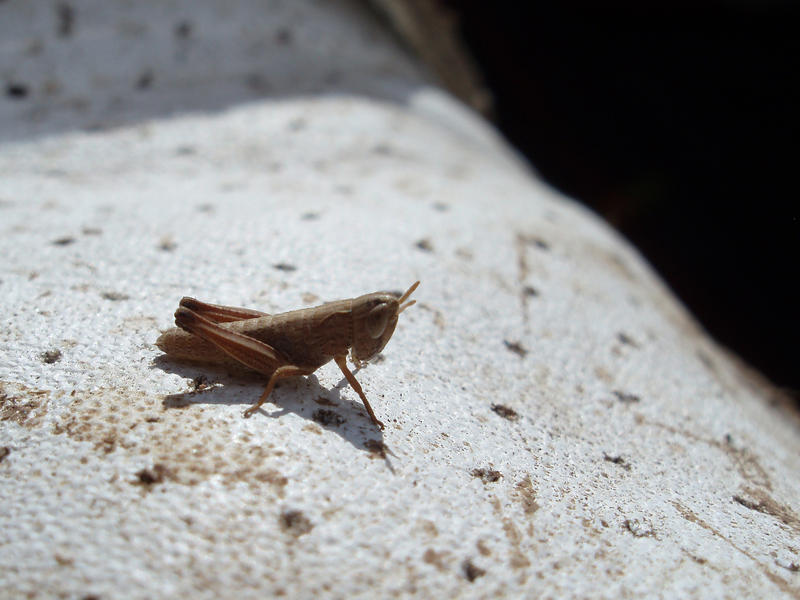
<point x="250" y="352"/>
<point x="351" y="379"/>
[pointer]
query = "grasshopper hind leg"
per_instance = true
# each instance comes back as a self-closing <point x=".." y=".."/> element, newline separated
<point x="219" y="313"/>
<point x="280" y="373"/>
<point x="248" y="351"/>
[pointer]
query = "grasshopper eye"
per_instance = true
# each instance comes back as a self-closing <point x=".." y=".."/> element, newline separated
<point x="377" y="319"/>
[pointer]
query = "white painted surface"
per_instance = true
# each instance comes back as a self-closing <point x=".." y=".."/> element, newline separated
<point x="103" y="232"/>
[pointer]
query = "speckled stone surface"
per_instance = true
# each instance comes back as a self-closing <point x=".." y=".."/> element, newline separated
<point x="557" y="425"/>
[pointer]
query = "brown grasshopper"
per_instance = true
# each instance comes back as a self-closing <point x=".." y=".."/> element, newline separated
<point x="287" y="344"/>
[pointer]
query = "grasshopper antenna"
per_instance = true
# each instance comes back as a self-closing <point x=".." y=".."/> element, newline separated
<point x="405" y="296"/>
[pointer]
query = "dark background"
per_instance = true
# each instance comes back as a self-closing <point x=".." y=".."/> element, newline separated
<point x="679" y="126"/>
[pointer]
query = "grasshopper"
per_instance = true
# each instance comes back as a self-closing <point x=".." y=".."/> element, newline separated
<point x="288" y="344"/>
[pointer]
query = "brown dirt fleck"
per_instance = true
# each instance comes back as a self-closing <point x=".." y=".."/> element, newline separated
<point x="200" y="384"/>
<point x="326" y="417"/>
<point x="63" y="241"/>
<point x="295" y="523"/>
<point x="286" y="267"/>
<point x="760" y="501"/>
<point x="115" y="296"/>
<point x="471" y="571"/>
<point x="486" y="475"/>
<point x="22" y="405"/>
<point x="428" y="527"/>
<point x="271" y="476"/>
<point x="505" y="412"/>
<point x="526" y="496"/>
<point x="167" y="244"/>
<point x="425" y="245"/>
<point x="626" y="339"/>
<point x="626" y="398"/>
<point x="150" y="477"/>
<point x="639" y="528"/>
<point x="617" y="460"/>
<point x="691" y="517"/>
<point x="50" y="356"/>
<point x="376" y="448"/>
<point x="325" y="401"/>
<point x="483" y="548"/>
<point x="516" y="347"/>
<point x="64" y="561"/>
<point x="4" y="451"/>
<point x="437" y="559"/>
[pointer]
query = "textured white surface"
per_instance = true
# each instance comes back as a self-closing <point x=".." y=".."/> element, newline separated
<point x="640" y="461"/>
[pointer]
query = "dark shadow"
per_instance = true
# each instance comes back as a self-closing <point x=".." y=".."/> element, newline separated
<point x="303" y="396"/>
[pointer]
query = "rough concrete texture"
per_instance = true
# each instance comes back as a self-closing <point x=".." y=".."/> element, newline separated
<point x="557" y="425"/>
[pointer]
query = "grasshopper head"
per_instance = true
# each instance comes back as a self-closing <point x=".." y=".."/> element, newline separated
<point x="374" y="319"/>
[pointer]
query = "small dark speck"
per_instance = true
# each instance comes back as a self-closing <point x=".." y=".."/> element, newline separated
<point x="63" y="241"/>
<point x="66" y="19"/>
<point x="530" y="291"/>
<point x="471" y="572"/>
<point x="115" y="296"/>
<point x="324" y="401"/>
<point x="185" y="150"/>
<point x="638" y="528"/>
<point x="206" y="208"/>
<point x="284" y="267"/>
<point x="4" y="451"/>
<point x="706" y="360"/>
<point x="200" y="384"/>
<point x="729" y="439"/>
<point x="486" y="475"/>
<point x="627" y="398"/>
<point x="283" y="37"/>
<point x="617" y="460"/>
<point x="16" y="90"/>
<point x="383" y="149"/>
<point x="295" y="523"/>
<point x="310" y="216"/>
<point x="441" y="207"/>
<point x="145" y="80"/>
<point x="505" y="412"/>
<point x="183" y="30"/>
<point x="541" y="244"/>
<point x="257" y="82"/>
<point x="326" y="417"/>
<point x="625" y="339"/>
<point x="91" y="231"/>
<point x="516" y="348"/>
<point x="424" y="245"/>
<point x="50" y="356"/>
<point x="167" y="244"/>
<point x="150" y="477"/>
<point x="376" y="448"/>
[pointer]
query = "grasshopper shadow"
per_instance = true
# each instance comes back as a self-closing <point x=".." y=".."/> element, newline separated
<point x="303" y="396"/>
